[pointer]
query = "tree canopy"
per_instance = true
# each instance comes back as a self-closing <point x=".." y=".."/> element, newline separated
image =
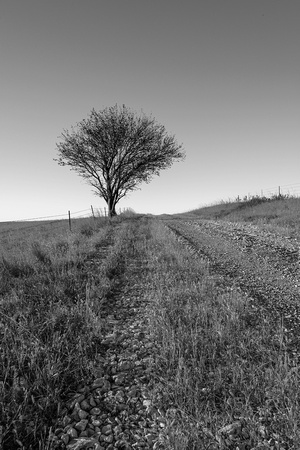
<point x="115" y="150"/>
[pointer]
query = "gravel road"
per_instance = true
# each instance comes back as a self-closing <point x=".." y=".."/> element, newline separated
<point x="263" y="261"/>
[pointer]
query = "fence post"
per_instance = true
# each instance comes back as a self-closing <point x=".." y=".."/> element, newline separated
<point x="93" y="212"/>
<point x="104" y="211"/>
<point x="279" y="191"/>
<point x="70" y="220"/>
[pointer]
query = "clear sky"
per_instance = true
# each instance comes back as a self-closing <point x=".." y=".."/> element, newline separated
<point x="222" y="75"/>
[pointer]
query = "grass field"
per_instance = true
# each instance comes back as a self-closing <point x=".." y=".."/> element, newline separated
<point x="278" y="211"/>
<point x="48" y="321"/>
<point x="223" y="372"/>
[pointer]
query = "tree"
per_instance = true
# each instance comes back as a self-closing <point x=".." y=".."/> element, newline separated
<point x="115" y="150"/>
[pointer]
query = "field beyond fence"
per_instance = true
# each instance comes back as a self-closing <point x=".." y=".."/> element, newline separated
<point x="27" y="230"/>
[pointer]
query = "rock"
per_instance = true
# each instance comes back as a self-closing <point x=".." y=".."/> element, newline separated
<point x="66" y="421"/>
<point x="97" y="394"/>
<point x="124" y="366"/>
<point x="95" y="411"/>
<point x="65" y="438"/>
<point x="72" y="433"/>
<point x="96" y="422"/>
<point x="83" y="434"/>
<point x="120" y="396"/>
<point x="84" y="443"/>
<point x="74" y="415"/>
<point x="81" y="426"/>
<point x="109" y="439"/>
<point x="118" y="429"/>
<point x="133" y="392"/>
<point x="98" y="382"/>
<point x="58" y="432"/>
<point x="121" y="407"/>
<point x="99" y="372"/>
<point x="107" y="429"/>
<point x="122" y="444"/>
<point x="78" y="398"/>
<point x="92" y="402"/>
<point x="147" y="403"/>
<point x="82" y="414"/>
<point x="119" y="379"/>
<point x="90" y="432"/>
<point x="84" y="390"/>
<point x="85" y="405"/>
<point x="101" y="385"/>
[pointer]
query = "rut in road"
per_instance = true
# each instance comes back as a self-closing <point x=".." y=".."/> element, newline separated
<point x="263" y="264"/>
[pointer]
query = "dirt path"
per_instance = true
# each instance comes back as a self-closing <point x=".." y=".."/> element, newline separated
<point x="264" y="263"/>
<point x="118" y="409"/>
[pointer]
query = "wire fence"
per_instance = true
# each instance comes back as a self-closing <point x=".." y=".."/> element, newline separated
<point x="59" y="220"/>
<point x="88" y="212"/>
<point x="286" y="190"/>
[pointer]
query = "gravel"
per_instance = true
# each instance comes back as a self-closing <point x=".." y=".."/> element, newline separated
<point x="262" y="261"/>
<point x="120" y="408"/>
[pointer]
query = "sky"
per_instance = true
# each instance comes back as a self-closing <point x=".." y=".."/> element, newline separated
<point x="221" y="75"/>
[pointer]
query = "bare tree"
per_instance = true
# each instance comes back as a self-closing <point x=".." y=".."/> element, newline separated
<point x="115" y="150"/>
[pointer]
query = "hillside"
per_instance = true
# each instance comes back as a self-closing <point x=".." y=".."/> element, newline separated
<point x="279" y="211"/>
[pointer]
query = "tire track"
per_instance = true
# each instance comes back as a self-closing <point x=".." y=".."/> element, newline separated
<point x="263" y="266"/>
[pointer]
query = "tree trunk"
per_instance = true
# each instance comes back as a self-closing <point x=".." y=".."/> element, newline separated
<point x="111" y="207"/>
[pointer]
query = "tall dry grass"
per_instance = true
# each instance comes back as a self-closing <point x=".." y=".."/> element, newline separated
<point x="52" y="289"/>
<point x="278" y="211"/>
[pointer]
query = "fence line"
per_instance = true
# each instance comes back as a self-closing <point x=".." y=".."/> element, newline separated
<point x="99" y="211"/>
<point x="47" y="217"/>
<point x="292" y="190"/>
<point x="69" y="216"/>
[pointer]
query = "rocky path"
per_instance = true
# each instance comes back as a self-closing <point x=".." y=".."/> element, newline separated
<point x="263" y="262"/>
<point x="118" y="410"/>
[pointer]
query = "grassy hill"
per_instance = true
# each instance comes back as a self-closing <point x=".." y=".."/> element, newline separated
<point x="280" y="211"/>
